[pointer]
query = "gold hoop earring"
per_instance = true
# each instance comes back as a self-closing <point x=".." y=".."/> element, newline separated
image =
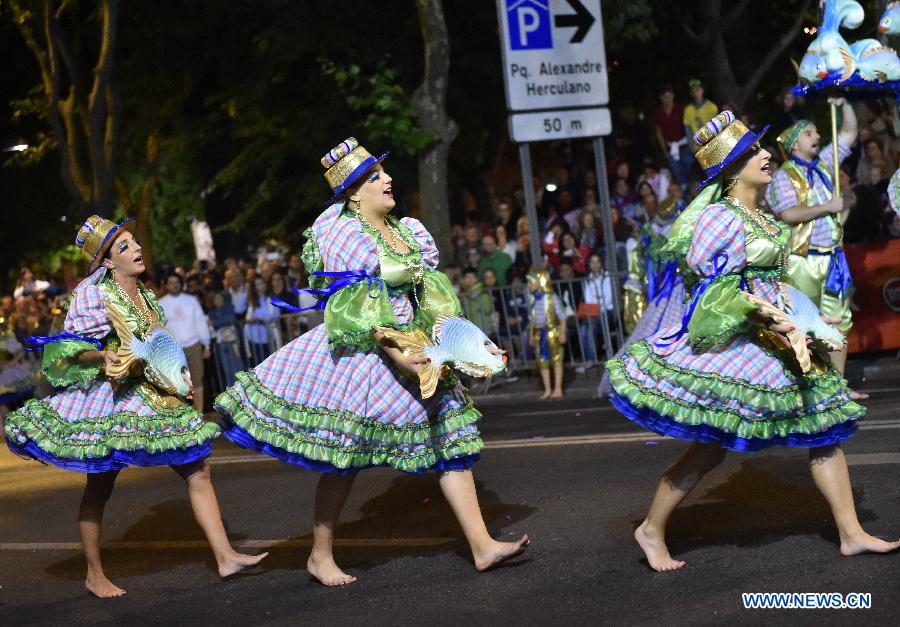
<point x="729" y="184"/>
<point x="354" y="203"/>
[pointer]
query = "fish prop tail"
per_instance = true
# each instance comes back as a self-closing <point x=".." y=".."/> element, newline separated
<point x="796" y="339"/>
<point x="126" y="342"/>
<point x="415" y="342"/>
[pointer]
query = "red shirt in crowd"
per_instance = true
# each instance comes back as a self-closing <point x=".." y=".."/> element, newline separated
<point x="671" y="124"/>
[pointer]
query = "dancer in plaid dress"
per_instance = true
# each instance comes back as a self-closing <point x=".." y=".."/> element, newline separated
<point x="99" y="425"/>
<point x="340" y="398"/>
<point x="727" y="379"/>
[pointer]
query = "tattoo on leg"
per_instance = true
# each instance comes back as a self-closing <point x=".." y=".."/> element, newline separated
<point x="821" y="455"/>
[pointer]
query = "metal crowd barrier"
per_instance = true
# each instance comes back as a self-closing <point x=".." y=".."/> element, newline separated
<point x="503" y="316"/>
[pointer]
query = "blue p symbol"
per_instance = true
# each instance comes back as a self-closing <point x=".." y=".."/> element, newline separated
<point x="530" y="26"/>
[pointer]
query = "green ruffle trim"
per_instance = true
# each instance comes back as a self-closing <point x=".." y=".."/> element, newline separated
<point x="815" y="406"/>
<point x="179" y="428"/>
<point x="60" y="368"/>
<point x="383" y="442"/>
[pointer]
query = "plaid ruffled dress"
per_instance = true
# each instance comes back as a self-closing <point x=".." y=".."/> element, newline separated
<point x="92" y="424"/>
<point x="332" y="400"/>
<point x="726" y="379"/>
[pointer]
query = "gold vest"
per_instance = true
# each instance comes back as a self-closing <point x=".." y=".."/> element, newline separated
<point x="801" y="233"/>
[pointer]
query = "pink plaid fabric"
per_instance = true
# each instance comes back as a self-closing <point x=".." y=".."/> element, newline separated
<point x="719" y="231"/>
<point x="87" y="315"/>
<point x="309" y="374"/>
<point x="781" y="195"/>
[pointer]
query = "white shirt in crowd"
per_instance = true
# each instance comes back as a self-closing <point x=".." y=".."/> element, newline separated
<point x="186" y="319"/>
<point x="258" y="332"/>
<point x="238" y="300"/>
<point x="598" y="290"/>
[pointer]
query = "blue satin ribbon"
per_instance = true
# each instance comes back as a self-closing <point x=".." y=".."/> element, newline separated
<point x="544" y="345"/>
<point x="36" y="342"/>
<point x="344" y="279"/>
<point x="839" y="280"/>
<point x="664" y="282"/>
<point x="813" y="167"/>
<point x="719" y="265"/>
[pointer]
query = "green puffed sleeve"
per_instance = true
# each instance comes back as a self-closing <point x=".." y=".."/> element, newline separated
<point x="436" y="298"/>
<point x="60" y="367"/>
<point x="720" y="314"/>
<point x="353" y="312"/>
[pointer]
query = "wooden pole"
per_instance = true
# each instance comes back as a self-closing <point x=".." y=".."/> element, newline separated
<point x="834" y="148"/>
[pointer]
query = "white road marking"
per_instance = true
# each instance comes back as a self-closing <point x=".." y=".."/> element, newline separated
<point x="557" y="412"/>
<point x="869" y="459"/>
<point x="244" y="544"/>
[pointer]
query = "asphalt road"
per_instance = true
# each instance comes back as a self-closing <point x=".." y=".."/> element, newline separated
<point x="573" y="475"/>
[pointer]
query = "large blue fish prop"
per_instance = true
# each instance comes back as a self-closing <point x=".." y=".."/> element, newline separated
<point x="164" y="360"/>
<point x="803" y="315"/>
<point x="889" y="23"/>
<point x="878" y="63"/>
<point x="829" y="54"/>
<point x="454" y="342"/>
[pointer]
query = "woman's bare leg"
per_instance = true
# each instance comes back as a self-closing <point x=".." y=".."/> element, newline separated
<point x="829" y="471"/>
<point x="206" y="511"/>
<point x="676" y="483"/>
<point x="97" y="491"/>
<point x="459" y="490"/>
<point x="331" y="494"/>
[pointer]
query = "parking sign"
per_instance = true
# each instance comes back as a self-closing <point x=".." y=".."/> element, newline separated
<point x="529" y="24"/>
<point x="553" y="54"/>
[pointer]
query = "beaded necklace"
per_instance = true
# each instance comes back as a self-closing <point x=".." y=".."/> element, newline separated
<point x="416" y="269"/>
<point x="140" y="305"/>
<point x="395" y="235"/>
<point x="765" y="223"/>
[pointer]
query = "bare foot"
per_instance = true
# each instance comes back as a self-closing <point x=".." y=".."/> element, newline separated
<point x="544" y="396"/>
<point x="858" y="396"/>
<point x="327" y="572"/>
<point x="101" y="587"/>
<point x="557" y="394"/>
<point x="238" y="562"/>
<point x="864" y="543"/>
<point x="656" y="551"/>
<point x="500" y="552"/>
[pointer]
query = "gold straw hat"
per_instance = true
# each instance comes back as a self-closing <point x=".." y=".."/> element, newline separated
<point x="721" y="142"/>
<point x="345" y="163"/>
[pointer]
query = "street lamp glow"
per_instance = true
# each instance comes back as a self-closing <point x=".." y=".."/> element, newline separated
<point x="550" y="187"/>
<point x="16" y="148"/>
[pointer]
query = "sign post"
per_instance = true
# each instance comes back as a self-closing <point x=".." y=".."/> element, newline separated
<point x="554" y="74"/>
